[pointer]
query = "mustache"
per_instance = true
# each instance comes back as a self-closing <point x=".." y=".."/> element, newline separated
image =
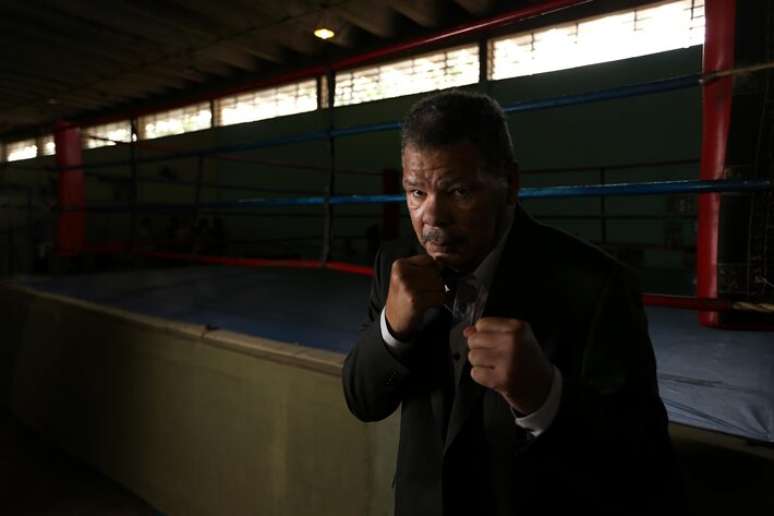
<point x="440" y="237"/>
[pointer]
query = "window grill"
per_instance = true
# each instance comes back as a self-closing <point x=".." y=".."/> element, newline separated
<point x="24" y="149"/>
<point x="107" y="134"/>
<point x="176" y="121"/>
<point x="269" y="103"/>
<point x="436" y="71"/>
<point x="645" y="30"/>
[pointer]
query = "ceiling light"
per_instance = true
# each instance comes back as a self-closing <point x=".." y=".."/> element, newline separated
<point x="324" y="33"/>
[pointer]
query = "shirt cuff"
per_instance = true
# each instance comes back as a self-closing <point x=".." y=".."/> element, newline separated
<point x="538" y="422"/>
<point x="395" y="345"/>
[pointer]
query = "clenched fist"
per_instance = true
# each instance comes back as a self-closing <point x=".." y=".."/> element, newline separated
<point x="415" y="286"/>
<point x="505" y="356"/>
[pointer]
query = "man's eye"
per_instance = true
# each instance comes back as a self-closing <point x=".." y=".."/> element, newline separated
<point x="417" y="194"/>
<point x="460" y="192"/>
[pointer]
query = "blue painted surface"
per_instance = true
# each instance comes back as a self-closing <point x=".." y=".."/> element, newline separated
<point x="713" y="379"/>
<point x="716" y="379"/>
<point x="316" y="308"/>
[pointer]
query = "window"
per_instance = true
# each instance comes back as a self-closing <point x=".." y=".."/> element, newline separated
<point x="46" y="146"/>
<point x="176" y="121"/>
<point x="439" y="70"/>
<point x="270" y="103"/>
<point x="24" y="149"/>
<point x="108" y="134"/>
<point x="646" y="30"/>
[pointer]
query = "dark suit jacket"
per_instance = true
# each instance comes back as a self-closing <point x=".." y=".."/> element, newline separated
<point x="607" y="450"/>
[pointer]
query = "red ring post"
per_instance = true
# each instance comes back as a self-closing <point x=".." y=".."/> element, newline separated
<point x="720" y="18"/>
<point x="71" y="225"/>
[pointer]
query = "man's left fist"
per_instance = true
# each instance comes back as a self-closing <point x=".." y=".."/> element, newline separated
<point x="505" y="356"/>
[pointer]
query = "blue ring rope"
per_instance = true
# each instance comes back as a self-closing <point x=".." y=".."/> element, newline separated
<point x="617" y="189"/>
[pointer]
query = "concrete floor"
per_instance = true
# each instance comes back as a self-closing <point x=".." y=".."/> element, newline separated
<point x="38" y="479"/>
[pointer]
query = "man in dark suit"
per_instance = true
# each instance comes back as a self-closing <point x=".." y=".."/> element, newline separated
<point x="518" y="354"/>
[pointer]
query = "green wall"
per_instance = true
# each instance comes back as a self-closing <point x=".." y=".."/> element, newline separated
<point x="659" y="127"/>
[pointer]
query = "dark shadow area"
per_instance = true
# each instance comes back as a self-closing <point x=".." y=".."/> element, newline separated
<point x="721" y="481"/>
<point x="38" y="479"/>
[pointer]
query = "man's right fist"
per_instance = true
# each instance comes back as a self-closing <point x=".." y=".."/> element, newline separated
<point x="415" y="286"/>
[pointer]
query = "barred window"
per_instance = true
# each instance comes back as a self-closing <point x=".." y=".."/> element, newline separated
<point x="428" y="72"/>
<point x="107" y="134"/>
<point x="24" y="149"/>
<point x="176" y="121"/>
<point x="648" y="29"/>
<point x="268" y="103"/>
<point x="46" y="146"/>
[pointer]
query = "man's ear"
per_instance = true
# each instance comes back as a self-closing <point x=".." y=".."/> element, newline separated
<point x="513" y="183"/>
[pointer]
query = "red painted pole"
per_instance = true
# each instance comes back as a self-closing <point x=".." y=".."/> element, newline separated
<point x="720" y="18"/>
<point x="71" y="226"/>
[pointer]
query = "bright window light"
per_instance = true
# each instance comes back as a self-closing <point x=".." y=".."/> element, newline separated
<point x="47" y="147"/>
<point x="429" y="72"/>
<point x="107" y="134"/>
<point x="645" y="30"/>
<point x="269" y="103"/>
<point x="176" y="121"/>
<point x="24" y="149"/>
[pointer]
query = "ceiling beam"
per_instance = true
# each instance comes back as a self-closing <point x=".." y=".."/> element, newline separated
<point x="370" y="16"/>
<point x="231" y="57"/>
<point x="118" y="87"/>
<point x="43" y="41"/>
<point x="477" y="7"/>
<point x="48" y="89"/>
<point x="210" y="37"/>
<point x="346" y="34"/>
<point x="230" y="18"/>
<point x="428" y="13"/>
<point x="19" y="116"/>
<point x="299" y="40"/>
<point x="261" y="47"/>
<point x="201" y="64"/>
<point x="122" y="19"/>
<point x="30" y="78"/>
<point x="175" y="71"/>
<point x="34" y="94"/>
<point x="84" y="33"/>
<point x="278" y="22"/>
<point x="141" y="79"/>
<point x="59" y="74"/>
<point x="179" y="17"/>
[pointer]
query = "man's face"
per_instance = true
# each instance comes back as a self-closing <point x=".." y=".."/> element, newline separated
<point x="456" y="208"/>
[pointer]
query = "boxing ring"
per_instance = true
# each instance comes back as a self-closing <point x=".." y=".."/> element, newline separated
<point x="212" y="383"/>
<point x="716" y="380"/>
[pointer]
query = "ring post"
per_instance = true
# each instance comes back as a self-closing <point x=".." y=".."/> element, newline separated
<point x="716" y="118"/>
<point x="71" y="224"/>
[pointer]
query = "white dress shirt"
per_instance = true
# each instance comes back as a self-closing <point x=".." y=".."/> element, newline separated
<point x="537" y="422"/>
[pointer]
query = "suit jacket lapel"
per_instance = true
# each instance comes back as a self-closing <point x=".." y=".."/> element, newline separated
<point x="437" y="403"/>
<point x="437" y="334"/>
<point x="505" y="299"/>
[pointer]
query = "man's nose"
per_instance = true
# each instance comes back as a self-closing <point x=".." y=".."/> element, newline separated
<point x="436" y="211"/>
